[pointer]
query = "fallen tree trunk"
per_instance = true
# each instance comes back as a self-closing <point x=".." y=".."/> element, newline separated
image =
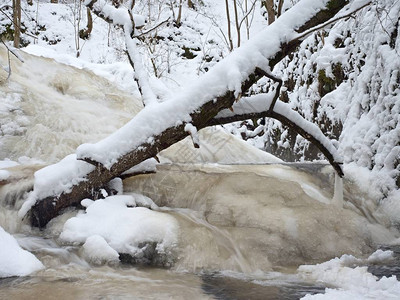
<point x="200" y="116"/>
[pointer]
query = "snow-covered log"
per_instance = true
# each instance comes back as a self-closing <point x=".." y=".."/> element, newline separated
<point x="161" y="125"/>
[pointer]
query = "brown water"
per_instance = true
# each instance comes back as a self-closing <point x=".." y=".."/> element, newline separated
<point x="243" y="232"/>
<point x="77" y="280"/>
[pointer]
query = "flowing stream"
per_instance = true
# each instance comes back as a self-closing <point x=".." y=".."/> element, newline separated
<point x="244" y="229"/>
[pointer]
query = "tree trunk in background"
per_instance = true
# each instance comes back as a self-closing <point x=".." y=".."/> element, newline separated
<point x="85" y="33"/>
<point x="17" y="22"/>
<point x="280" y="6"/>
<point x="236" y="22"/>
<point x="179" y="18"/>
<point x="269" y="6"/>
<point x="229" y="26"/>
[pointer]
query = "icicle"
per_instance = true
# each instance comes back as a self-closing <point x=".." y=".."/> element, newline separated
<point x="337" y="199"/>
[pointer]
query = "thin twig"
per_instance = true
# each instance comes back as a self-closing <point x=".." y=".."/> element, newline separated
<point x="10" y="50"/>
<point x="278" y="89"/>
<point x="247" y="14"/>
<point x="151" y="29"/>
<point x="9" y="64"/>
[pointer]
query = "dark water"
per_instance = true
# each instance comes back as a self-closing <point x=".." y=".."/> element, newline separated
<point x="388" y="268"/>
<point x="226" y="288"/>
<point x="213" y="286"/>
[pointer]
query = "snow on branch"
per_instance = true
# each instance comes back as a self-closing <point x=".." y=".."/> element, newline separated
<point x="117" y="16"/>
<point x="231" y="76"/>
<point x="123" y="17"/>
<point x="159" y="126"/>
<point x="141" y="76"/>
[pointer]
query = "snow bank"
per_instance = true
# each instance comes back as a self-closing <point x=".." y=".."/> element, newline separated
<point x="14" y="261"/>
<point x="116" y="225"/>
<point x="380" y="256"/>
<point x="97" y="251"/>
<point x="352" y="281"/>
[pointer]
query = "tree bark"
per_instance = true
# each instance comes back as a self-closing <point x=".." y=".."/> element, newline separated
<point x="269" y="6"/>
<point x="46" y="209"/>
<point x="228" y="18"/>
<point x="85" y="33"/>
<point x="17" y="22"/>
<point x="179" y="18"/>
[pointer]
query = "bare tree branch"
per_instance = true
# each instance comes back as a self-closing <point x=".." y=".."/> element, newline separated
<point x="248" y="109"/>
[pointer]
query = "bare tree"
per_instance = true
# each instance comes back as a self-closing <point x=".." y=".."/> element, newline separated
<point x="179" y="17"/>
<point x="228" y="17"/>
<point x="235" y="9"/>
<point x="269" y="6"/>
<point x="85" y="33"/>
<point x="214" y="109"/>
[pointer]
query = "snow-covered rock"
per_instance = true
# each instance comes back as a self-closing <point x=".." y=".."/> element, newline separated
<point x="15" y="261"/>
<point x="115" y="225"/>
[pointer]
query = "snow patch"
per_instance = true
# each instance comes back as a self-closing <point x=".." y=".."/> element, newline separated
<point x="15" y="261"/>
<point x="97" y="251"/>
<point x="352" y="281"/>
<point x="117" y="222"/>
